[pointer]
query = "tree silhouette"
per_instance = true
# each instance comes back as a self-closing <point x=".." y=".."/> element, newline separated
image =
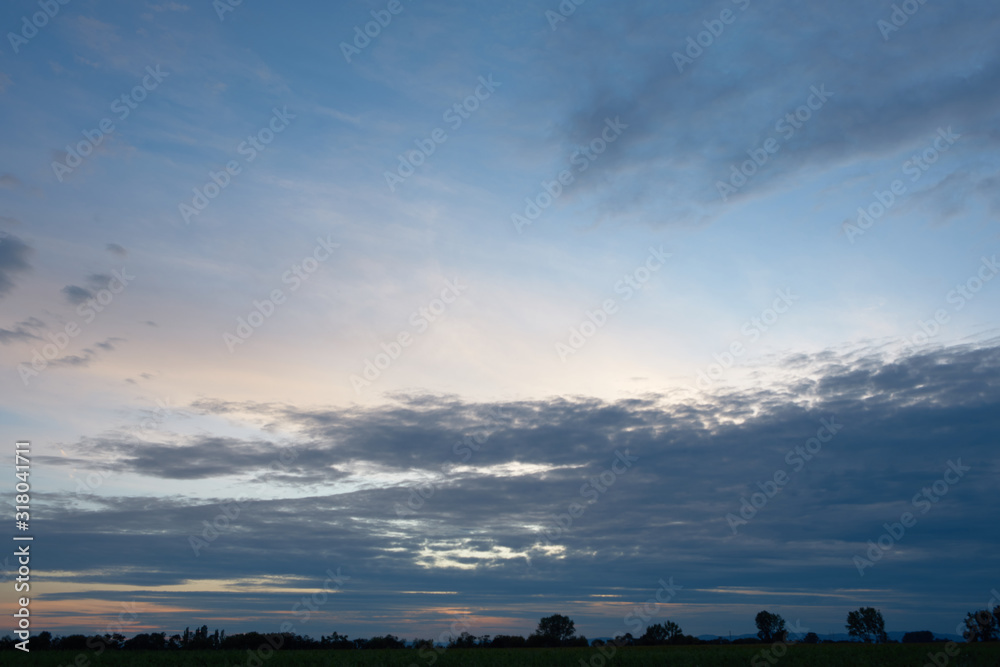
<point x="770" y="627"/>
<point x="508" y="641"/>
<point x="156" y="641"/>
<point x="386" y="642"/>
<point x="339" y="641"/>
<point x="867" y="625"/>
<point x="982" y="626"/>
<point x="555" y="630"/>
<point x="659" y="633"/>
<point x="464" y="640"/>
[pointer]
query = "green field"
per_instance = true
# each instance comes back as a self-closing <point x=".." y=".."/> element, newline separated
<point x="830" y="655"/>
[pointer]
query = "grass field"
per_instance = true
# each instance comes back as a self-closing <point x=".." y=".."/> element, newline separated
<point x="829" y="655"/>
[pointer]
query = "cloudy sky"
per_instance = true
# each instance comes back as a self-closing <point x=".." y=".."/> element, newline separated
<point x="401" y="287"/>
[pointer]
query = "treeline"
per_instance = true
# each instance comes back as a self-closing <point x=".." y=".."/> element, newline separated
<point x="865" y="625"/>
<point x="202" y="640"/>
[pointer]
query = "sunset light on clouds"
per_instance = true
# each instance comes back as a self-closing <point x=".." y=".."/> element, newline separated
<point x="499" y="310"/>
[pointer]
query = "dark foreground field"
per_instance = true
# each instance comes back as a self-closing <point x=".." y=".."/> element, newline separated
<point x="833" y="655"/>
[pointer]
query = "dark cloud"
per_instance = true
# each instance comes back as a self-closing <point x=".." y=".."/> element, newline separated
<point x="86" y="355"/>
<point x="76" y="294"/>
<point x="98" y="281"/>
<point x="348" y="492"/>
<point x="108" y="345"/>
<point x="13" y="260"/>
<point x="206" y="457"/>
<point x="117" y="250"/>
<point x="9" y="181"/>
<point x="95" y="282"/>
<point x="687" y="129"/>
<point x="29" y="329"/>
<point x="81" y="360"/>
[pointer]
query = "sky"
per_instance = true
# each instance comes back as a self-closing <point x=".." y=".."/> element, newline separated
<point x="379" y="317"/>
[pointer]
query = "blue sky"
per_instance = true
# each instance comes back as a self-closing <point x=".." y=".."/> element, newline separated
<point x="687" y="230"/>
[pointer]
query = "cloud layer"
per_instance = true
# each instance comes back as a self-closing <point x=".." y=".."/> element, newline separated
<point x="434" y="493"/>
